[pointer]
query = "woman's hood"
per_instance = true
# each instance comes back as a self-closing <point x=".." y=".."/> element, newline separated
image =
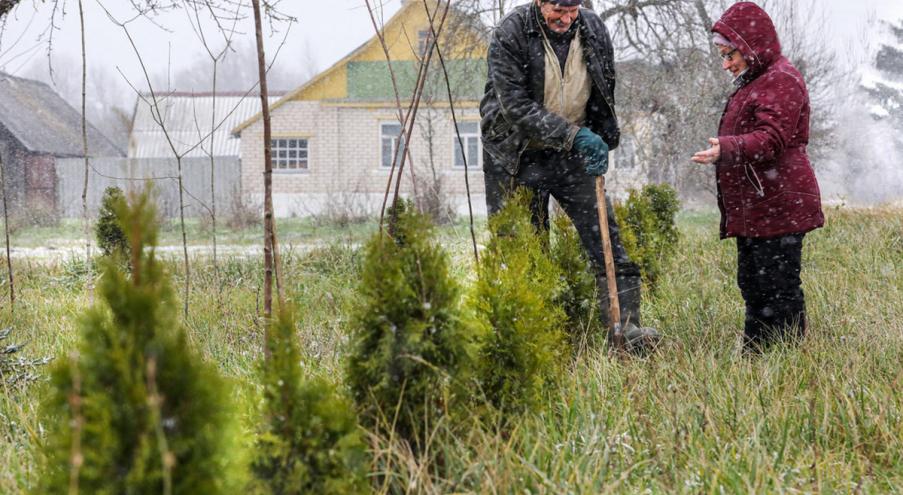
<point x="750" y="29"/>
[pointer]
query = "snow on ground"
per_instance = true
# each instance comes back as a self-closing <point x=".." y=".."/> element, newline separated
<point x="56" y="253"/>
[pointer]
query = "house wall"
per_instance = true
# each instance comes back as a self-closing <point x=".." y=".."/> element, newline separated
<point x="344" y="168"/>
<point x="628" y="167"/>
<point x="40" y="183"/>
<point x="345" y="173"/>
<point x="134" y="174"/>
<point x="13" y="156"/>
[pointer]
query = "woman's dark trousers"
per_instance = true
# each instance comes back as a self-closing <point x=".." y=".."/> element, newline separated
<point x="768" y="273"/>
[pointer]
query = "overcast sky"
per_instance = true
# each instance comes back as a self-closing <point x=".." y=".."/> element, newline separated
<point x="326" y="31"/>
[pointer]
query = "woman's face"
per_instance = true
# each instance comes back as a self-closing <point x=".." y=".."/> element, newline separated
<point x="732" y="60"/>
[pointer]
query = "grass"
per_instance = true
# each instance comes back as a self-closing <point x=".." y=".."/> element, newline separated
<point x="70" y="232"/>
<point x="697" y="417"/>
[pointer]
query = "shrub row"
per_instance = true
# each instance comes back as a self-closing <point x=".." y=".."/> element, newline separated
<point x="135" y="410"/>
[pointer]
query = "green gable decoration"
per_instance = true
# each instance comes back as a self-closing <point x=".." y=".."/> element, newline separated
<point x="372" y="81"/>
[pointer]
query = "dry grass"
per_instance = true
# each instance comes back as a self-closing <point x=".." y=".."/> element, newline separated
<point x="698" y="417"/>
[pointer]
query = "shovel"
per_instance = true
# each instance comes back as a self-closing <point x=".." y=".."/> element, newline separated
<point x="614" y="308"/>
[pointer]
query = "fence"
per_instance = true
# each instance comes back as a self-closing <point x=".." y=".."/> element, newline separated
<point x="132" y="174"/>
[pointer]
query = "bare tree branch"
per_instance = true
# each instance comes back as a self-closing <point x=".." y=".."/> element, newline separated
<point x="451" y="105"/>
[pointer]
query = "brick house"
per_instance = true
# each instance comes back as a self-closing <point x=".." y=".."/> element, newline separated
<point x="37" y="128"/>
<point x="335" y="137"/>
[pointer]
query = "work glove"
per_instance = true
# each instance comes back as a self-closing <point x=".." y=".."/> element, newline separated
<point x="594" y="151"/>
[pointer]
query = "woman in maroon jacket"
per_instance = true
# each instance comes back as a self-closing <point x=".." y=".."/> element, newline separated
<point x="767" y="192"/>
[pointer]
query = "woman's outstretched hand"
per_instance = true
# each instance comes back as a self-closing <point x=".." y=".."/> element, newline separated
<point x="710" y="155"/>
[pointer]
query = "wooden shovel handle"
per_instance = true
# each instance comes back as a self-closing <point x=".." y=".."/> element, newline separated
<point x="613" y="304"/>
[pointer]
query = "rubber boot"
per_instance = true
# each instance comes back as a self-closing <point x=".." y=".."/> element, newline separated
<point x="639" y="340"/>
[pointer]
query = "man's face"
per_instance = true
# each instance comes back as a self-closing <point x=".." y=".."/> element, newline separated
<point x="559" y="19"/>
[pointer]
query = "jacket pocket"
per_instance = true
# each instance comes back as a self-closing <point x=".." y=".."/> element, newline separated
<point x="495" y="126"/>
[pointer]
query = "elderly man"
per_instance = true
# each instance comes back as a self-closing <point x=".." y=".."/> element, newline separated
<point x="548" y="123"/>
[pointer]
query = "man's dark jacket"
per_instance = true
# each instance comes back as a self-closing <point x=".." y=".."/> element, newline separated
<point x="512" y="111"/>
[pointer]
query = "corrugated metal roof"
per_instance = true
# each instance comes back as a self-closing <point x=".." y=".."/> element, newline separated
<point x="44" y="123"/>
<point x="188" y="118"/>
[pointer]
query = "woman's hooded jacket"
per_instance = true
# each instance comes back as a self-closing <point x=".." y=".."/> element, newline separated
<point x="766" y="185"/>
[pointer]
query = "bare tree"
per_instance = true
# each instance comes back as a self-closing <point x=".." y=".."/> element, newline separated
<point x="460" y="30"/>
<point x="428" y="81"/>
<point x="154" y="102"/>
<point x="9" y="263"/>
<point x="86" y="221"/>
<point x="194" y="17"/>
<point x="270" y="251"/>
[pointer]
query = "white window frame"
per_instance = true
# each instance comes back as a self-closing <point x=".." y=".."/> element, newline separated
<point x="625" y="155"/>
<point x="424" y="39"/>
<point x="467" y="136"/>
<point x="396" y="139"/>
<point x="290" y="154"/>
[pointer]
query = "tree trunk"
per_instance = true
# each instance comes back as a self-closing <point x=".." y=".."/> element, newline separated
<point x="86" y="220"/>
<point x="270" y="260"/>
<point x="184" y="236"/>
<point x="9" y="263"/>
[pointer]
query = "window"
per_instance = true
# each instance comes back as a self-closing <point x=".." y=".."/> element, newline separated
<point x="625" y="155"/>
<point x="390" y="151"/>
<point x="424" y="38"/>
<point x="470" y="136"/>
<point x="290" y="154"/>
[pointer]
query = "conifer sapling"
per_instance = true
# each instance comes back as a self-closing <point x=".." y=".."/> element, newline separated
<point x="135" y="410"/>
<point x="410" y="349"/>
<point x="311" y="443"/>
<point x="516" y="297"/>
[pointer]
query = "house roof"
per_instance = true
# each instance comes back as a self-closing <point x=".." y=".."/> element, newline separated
<point x="43" y="122"/>
<point x="188" y="118"/>
<point x="358" y="73"/>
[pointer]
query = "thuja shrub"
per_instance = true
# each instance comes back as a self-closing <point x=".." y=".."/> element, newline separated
<point x="515" y="297"/>
<point x="579" y="295"/>
<point x="648" y="228"/>
<point x="135" y="410"/>
<point x="110" y="237"/>
<point x="311" y="442"/>
<point x="411" y="350"/>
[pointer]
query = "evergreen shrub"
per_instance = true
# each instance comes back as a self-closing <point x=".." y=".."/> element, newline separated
<point x="648" y="228"/>
<point x="411" y="349"/>
<point x="515" y="297"/>
<point x="135" y="410"/>
<point x="110" y="237"/>
<point x="311" y="442"/>
<point x="579" y="294"/>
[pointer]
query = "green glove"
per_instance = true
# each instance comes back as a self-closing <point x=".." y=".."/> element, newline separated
<point x="592" y="148"/>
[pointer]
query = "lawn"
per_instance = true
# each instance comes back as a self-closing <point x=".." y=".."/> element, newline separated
<point x="697" y="417"/>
